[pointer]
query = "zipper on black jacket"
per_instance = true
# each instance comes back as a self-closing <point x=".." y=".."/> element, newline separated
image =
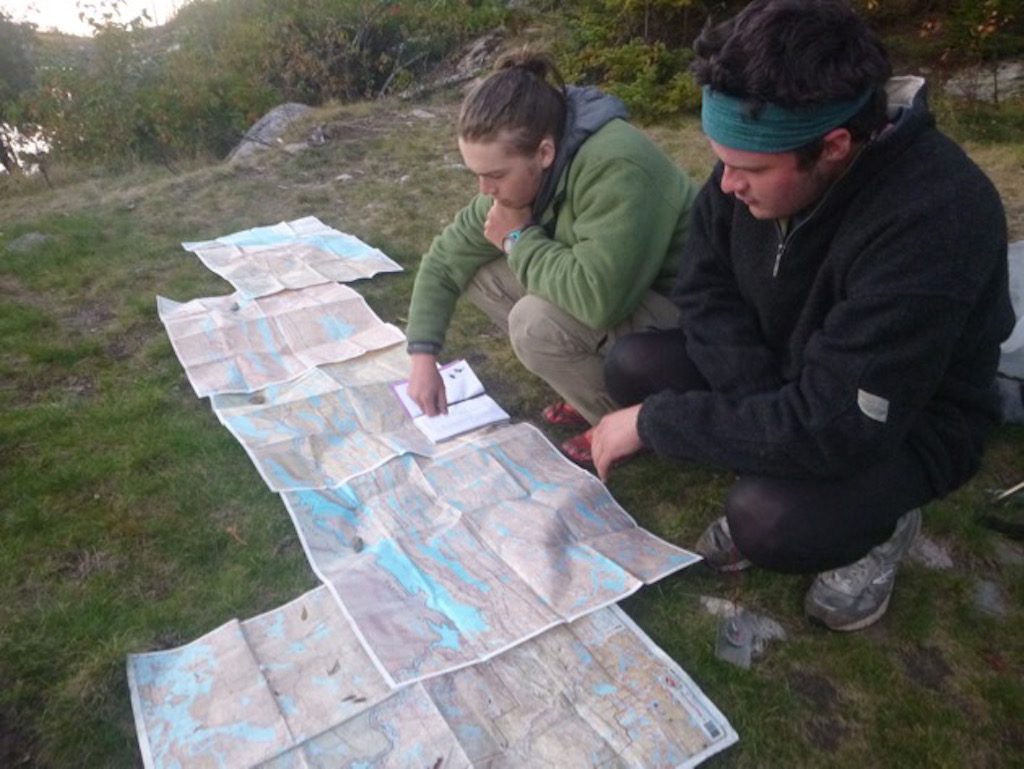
<point x="778" y="255"/>
<point x="784" y="239"/>
<point x="785" y="236"/>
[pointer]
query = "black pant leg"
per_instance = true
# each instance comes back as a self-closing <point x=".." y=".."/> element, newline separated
<point x="649" y="362"/>
<point x="811" y="526"/>
<point x="781" y="524"/>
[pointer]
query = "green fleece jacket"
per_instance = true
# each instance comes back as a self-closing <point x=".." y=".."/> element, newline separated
<point x="613" y="230"/>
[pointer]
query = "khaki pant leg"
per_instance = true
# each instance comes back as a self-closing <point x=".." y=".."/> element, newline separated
<point x="552" y="344"/>
<point x="495" y="289"/>
<point x="569" y="356"/>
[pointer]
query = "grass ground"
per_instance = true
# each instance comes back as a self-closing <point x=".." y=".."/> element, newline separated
<point x="132" y="521"/>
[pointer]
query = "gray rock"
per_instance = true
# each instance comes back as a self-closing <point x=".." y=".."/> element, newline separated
<point x="27" y="242"/>
<point x="477" y="57"/>
<point x="1008" y="553"/>
<point x="993" y="83"/>
<point x="266" y="132"/>
<point x="422" y="114"/>
<point x="317" y="137"/>
<point x="718" y="607"/>
<point x="481" y="54"/>
<point x="1011" y="399"/>
<point x="1010" y="379"/>
<point x="990" y="599"/>
<point x="743" y="635"/>
<point x="930" y="554"/>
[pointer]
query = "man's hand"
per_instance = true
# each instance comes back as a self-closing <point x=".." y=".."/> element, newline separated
<point x="501" y="221"/>
<point x="615" y="438"/>
<point x="426" y="388"/>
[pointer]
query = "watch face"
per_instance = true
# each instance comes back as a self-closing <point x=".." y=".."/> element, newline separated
<point x="510" y="240"/>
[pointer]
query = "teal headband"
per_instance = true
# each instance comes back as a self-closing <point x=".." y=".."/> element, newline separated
<point x="775" y="129"/>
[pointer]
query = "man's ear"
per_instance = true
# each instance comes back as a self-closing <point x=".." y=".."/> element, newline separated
<point x="546" y="152"/>
<point x="838" y="145"/>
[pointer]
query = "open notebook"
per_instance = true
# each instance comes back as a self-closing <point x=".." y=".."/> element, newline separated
<point x="468" y="406"/>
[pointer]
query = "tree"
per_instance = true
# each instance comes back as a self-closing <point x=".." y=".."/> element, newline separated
<point x="16" y="75"/>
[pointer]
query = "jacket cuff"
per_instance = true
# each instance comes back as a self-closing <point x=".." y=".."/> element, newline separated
<point x="430" y="348"/>
<point x="526" y="234"/>
<point x="648" y="422"/>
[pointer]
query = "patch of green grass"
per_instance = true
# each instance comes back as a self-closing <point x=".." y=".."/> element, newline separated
<point x="133" y="521"/>
<point x="982" y="122"/>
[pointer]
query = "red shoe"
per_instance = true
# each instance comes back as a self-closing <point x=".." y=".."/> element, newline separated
<point x="562" y="413"/>
<point x="577" y="448"/>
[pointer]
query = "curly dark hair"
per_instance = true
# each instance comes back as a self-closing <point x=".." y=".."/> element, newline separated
<point x="797" y="53"/>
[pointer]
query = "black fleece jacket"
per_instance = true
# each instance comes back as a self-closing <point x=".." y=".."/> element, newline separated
<point x="875" y="322"/>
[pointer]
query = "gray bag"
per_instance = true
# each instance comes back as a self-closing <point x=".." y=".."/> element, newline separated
<point x="1010" y="378"/>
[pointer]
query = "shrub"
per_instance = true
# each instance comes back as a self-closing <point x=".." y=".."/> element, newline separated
<point x="638" y="49"/>
<point x="16" y="72"/>
<point x="92" y="111"/>
<point x="196" y="85"/>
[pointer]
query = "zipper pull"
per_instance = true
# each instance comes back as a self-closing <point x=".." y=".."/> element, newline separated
<point x="778" y="258"/>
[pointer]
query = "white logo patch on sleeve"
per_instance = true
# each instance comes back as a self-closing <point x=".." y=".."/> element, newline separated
<point x="874" y="406"/>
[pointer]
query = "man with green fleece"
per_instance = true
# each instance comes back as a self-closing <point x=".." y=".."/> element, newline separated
<point x="570" y="244"/>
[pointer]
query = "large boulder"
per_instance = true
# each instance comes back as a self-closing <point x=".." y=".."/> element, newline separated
<point x="476" y="57"/>
<point x="266" y="132"/>
<point x="992" y="83"/>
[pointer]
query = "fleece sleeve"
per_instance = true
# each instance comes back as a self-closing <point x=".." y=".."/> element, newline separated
<point x="622" y="227"/>
<point x="446" y="269"/>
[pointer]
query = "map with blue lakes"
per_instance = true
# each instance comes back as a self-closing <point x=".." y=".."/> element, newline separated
<point x="333" y="422"/>
<point x="303" y="252"/>
<point x="294" y="689"/>
<point x="446" y="561"/>
<point x="465" y="618"/>
<point x="234" y="344"/>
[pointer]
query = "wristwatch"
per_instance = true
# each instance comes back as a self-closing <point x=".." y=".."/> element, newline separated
<point x="510" y="240"/>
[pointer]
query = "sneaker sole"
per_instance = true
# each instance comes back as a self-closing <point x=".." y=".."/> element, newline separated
<point x="859" y="624"/>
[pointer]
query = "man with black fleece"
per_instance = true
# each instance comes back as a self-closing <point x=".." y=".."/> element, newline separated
<point x="843" y="294"/>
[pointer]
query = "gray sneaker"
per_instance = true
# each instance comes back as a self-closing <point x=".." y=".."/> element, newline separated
<point x="718" y="549"/>
<point x="855" y="596"/>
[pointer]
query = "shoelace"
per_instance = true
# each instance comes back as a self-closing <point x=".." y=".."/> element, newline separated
<point x="852" y="578"/>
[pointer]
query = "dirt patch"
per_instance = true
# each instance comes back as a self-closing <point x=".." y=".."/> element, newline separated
<point x="287" y="545"/>
<point x="351" y="130"/>
<point x="125" y="346"/>
<point x="81" y="386"/>
<point x="80" y="565"/>
<point x="816" y="689"/>
<point x="89" y="317"/>
<point x="169" y="639"/>
<point x="926" y="666"/>
<point x="825" y="733"/>
<point x="17" y="750"/>
<point x="1012" y="740"/>
<point x="47" y="388"/>
<point x="12" y="288"/>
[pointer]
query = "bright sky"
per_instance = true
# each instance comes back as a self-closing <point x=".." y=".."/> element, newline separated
<point x="63" y="14"/>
